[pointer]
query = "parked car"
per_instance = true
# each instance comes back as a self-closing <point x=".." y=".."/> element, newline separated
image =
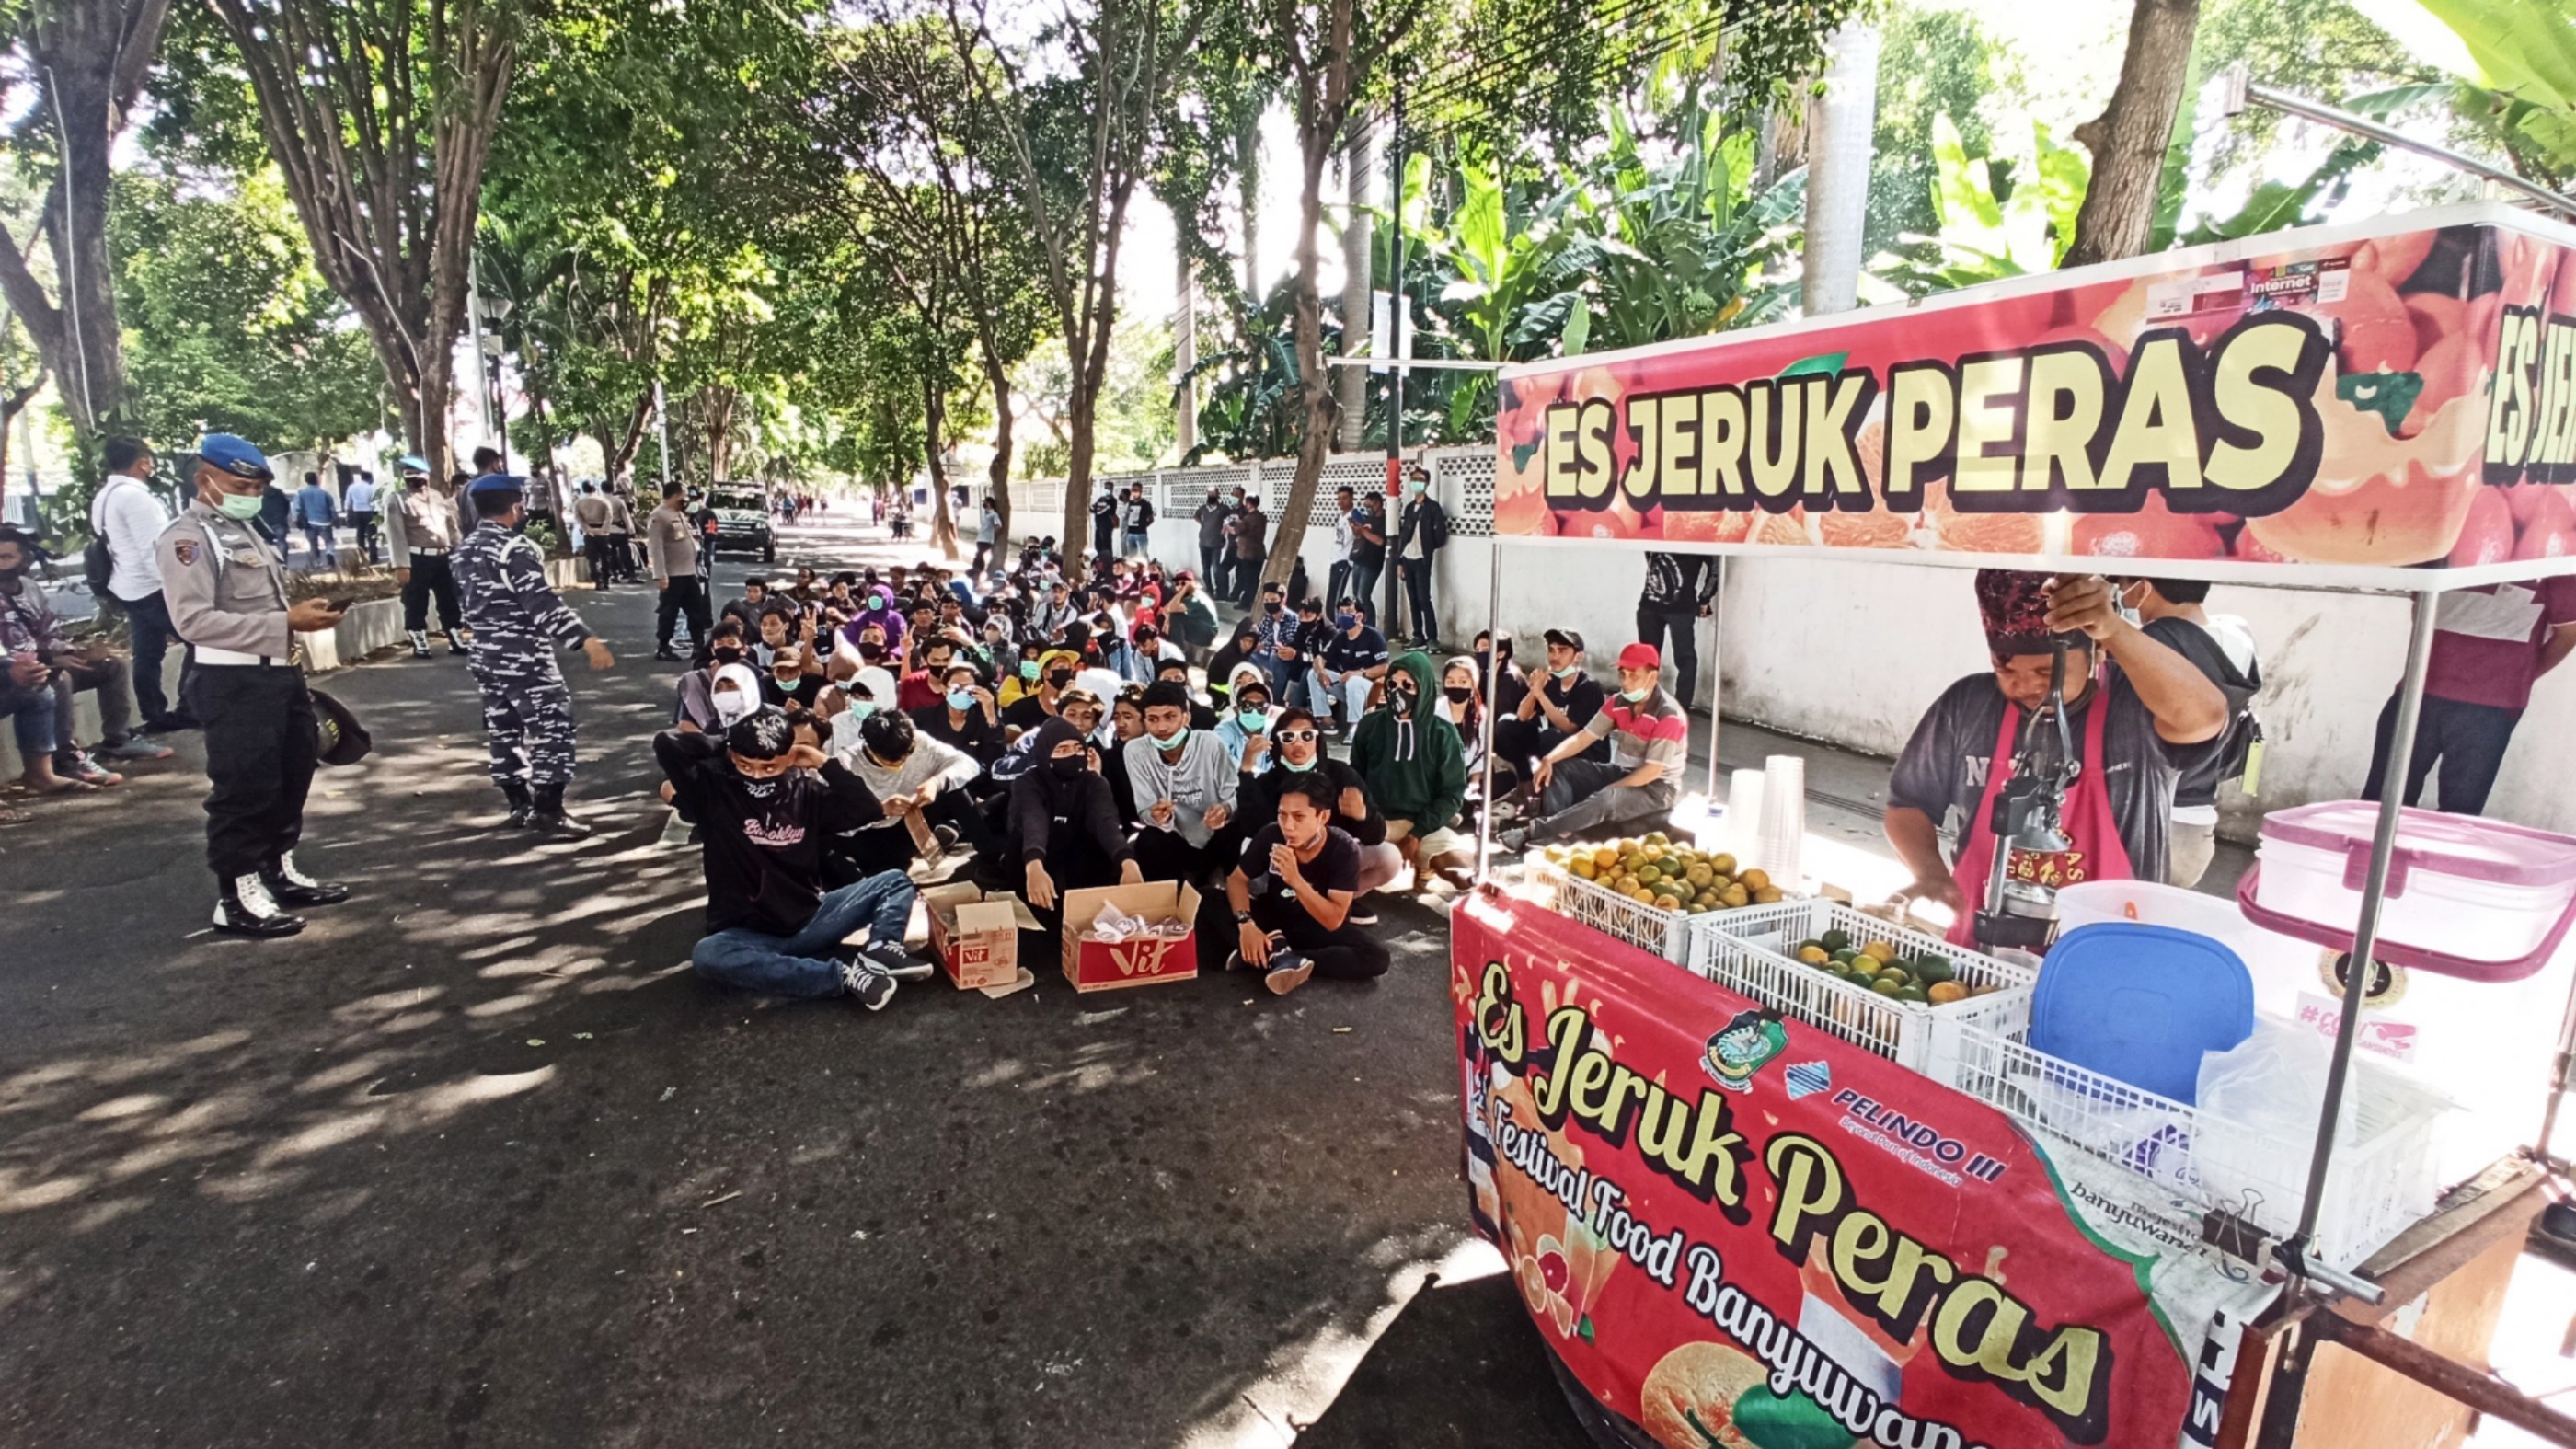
<point x="743" y="520"/>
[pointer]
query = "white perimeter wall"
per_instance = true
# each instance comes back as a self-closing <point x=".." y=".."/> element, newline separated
<point x="1851" y="651"/>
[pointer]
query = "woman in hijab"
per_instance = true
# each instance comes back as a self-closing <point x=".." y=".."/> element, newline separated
<point x="1065" y="825"/>
<point x="1245" y="644"/>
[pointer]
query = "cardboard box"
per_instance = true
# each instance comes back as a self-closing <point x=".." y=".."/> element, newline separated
<point x="1104" y="965"/>
<point x="976" y="936"/>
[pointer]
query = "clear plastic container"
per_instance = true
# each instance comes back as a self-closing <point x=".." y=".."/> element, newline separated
<point x="2466" y="897"/>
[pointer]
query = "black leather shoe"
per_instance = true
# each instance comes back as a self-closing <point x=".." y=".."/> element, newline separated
<point x="549" y="818"/>
<point x="520" y="805"/>
<point x="244" y="908"/>
<point x="292" y="887"/>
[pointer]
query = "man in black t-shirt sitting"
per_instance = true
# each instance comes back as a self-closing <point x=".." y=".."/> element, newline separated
<point x="1295" y="743"/>
<point x="764" y="807"/>
<point x="1290" y="899"/>
<point x="1565" y="701"/>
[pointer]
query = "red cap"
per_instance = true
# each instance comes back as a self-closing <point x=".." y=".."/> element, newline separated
<point x="1641" y="656"/>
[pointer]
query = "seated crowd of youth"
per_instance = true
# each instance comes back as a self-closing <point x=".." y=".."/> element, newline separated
<point x="833" y="731"/>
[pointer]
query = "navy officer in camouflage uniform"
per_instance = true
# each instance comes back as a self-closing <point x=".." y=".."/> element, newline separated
<point x="226" y="590"/>
<point x="516" y="620"/>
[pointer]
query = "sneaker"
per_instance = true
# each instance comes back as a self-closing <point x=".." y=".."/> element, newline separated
<point x="135" y="748"/>
<point x="868" y="982"/>
<point x="895" y="961"/>
<point x="1512" y="840"/>
<point x="665" y="653"/>
<point x="1286" y="974"/>
<point x="172" y="723"/>
<point x="77" y="765"/>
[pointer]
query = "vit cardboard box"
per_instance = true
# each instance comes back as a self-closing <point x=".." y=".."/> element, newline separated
<point x="1106" y="965"/>
<point x="976" y="936"/>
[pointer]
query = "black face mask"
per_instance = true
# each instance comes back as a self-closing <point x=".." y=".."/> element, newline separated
<point x="1458" y="693"/>
<point x="1068" y="766"/>
<point x="725" y="654"/>
<point x="1060" y="678"/>
<point x="1403" y="700"/>
<point x="1270" y="606"/>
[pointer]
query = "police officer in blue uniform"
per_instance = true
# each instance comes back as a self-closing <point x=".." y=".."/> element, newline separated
<point x="516" y="622"/>
<point x="225" y="588"/>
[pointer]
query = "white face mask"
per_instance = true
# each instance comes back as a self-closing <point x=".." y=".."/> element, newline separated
<point x="731" y="705"/>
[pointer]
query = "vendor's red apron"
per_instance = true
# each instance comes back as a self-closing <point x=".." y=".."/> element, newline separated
<point x="2095" y="850"/>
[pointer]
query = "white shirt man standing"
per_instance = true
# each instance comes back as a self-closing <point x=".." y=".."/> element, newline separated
<point x="129" y="518"/>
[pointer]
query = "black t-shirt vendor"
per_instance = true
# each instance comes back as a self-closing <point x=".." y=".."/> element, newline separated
<point x="2156" y="717"/>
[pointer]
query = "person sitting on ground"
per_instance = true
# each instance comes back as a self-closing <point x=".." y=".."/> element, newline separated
<point x="1065" y="827"/>
<point x="909" y="773"/>
<point x="1460" y="705"/>
<point x="1202" y="715"/>
<point x="1649" y="751"/>
<point x="1290" y="897"/>
<point x="964" y="718"/>
<point x="1314" y="632"/>
<point x="1126" y="724"/>
<point x="878" y="611"/>
<point x="775" y="627"/>
<point x="693" y="706"/>
<point x="1052" y="613"/>
<point x="1189" y="620"/>
<point x="764" y="807"/>
<point x="921" y="686"/>
<point x="793" y="677"/>
<point x="1245" y="728"/>
<point x="1277" y="627"/>
<point x="809" y="586"/>
<point x="1417" y="772"/>
<point x="1184" y="782"/>
<point x="748" y="608"/>
<point x="1148" y="652"/>
<point x="40" y="657"/>
<point x="1297" y="753"/>
<point x="1056" y="670"/>
<point x="1561" y="707"/>
<point x="1353" y="664"/>
<point x="1241" y="647"/>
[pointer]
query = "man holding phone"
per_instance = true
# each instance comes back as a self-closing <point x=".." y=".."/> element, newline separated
<point x="226" y="593"/>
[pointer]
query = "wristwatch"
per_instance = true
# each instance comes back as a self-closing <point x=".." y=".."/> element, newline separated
<point x="1244" y="916"/>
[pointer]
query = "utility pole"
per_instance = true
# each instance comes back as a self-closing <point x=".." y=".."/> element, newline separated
<point x="1357" y="257"/>
<point x="1185" y="357"/>
<point x="662" y="428"/>
<point x="482" y="381"/>
<point x="1399" y="345"/>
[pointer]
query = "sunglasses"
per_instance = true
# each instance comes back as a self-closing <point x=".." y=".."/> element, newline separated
<point x="1295" y="737"/>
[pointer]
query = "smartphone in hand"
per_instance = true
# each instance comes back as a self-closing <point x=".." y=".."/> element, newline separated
<point x="340" y="606"/>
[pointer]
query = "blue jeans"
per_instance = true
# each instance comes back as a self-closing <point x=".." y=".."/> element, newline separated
<point x="1364" y="577"/>
<point x="1136" y="543"/>
<point x="803" y="964"/>
<point x="31" y="714"/>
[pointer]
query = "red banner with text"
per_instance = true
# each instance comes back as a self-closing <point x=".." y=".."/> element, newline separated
<point x="1739" y="1231"/>
<point x="2377" y="396"/>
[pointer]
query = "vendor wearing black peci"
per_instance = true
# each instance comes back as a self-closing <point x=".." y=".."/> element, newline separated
<point x="1290" y="898"/>
<point x="2157" y="716"/>
<point x="1064" y="825"/>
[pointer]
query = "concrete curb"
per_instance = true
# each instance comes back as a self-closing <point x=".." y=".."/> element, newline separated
<point x="366" y="628"/>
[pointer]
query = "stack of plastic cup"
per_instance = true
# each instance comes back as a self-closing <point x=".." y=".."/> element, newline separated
<point x="1783" y="818"/>
<point x="1743" y="835"/>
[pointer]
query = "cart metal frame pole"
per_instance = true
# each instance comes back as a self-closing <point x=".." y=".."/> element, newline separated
<point x="2365" y="940"/>
<point x="1492" y="683"/>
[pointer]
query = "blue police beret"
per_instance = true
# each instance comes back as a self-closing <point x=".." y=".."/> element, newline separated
<point x="412" y="463"/>
<point x="497" y="483"/>
<point x="235" y="456"/>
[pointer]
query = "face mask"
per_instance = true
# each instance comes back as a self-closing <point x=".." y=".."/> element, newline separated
<point x="1568" y="672"/>
<point x="726" y="654"/>
<point x="1270" y="606"/>
<point x="1068" y="766"/>
<point x="1413" y="488"/>
<point x="1458" y="693"/>
<point x="1345" y="621"/>
<point x="731" y="706"/>
<point x="1171" y="740"/>
<point x="760" y="789"/>
<point x="960" y="700"/>
<point x="1402" y="699"/>
<point x="1288" y="764"/>
<point x="861" y="709"/>
<point x="1029" y="671"/>
<point x="790" y="683"/>
<point x="1252" y="719"/>
<point x="1635" y="696"/>
<point x="1060" y="678"/>
<point x="239" y="507"/>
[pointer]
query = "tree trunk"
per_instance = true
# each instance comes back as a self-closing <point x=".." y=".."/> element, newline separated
<point x="1247" y="171"/>
<point x="2129" y="138"/>
<point x="1314" y="380"/>
<point x="1075" y="541"/>
<point x="89" y="59"/>
<point x="934" y="432"/>
<point x="998" y="486"/>
<point x="1185" y="357"/>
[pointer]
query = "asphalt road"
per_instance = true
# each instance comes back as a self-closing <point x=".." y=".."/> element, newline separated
<point x="477" y="1161"/>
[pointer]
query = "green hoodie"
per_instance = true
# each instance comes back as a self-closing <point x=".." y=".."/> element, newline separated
<point x="1414" y="765"/>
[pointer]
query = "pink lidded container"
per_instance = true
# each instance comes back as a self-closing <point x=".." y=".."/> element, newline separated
<point x="2466" y="897"/>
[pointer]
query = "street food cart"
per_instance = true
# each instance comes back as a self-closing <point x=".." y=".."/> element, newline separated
<point x="1748" y="1202"/>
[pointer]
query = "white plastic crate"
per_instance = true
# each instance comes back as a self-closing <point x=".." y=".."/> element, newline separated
<point x="1665" y="933"/>
<point x="1749" y="950"/>
<point x="2172" y="1158"/>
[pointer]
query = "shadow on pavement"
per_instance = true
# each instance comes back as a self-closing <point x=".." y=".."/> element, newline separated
<point x="1462" y="1365"/>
